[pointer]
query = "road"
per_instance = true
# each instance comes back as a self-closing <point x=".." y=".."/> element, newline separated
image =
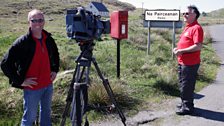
<point x="209" y="102"/>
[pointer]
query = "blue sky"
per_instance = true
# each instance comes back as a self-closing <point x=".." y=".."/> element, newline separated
<point x="203" y="5"/>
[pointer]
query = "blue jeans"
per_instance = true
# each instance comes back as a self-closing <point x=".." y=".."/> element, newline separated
<point x="31" y="100"/>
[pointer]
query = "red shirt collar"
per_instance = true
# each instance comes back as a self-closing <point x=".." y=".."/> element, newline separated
<point x="193" y="23"/>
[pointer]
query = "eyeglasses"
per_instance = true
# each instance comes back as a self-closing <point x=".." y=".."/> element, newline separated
<point x="186" y="13"/>
<point x="37" y="20"/>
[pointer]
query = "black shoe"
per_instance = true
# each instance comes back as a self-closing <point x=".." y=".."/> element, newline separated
<point x="183" y="111"/>
<point x="179" y="105"/>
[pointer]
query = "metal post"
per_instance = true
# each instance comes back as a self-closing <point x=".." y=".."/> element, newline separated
<point x="118" y="58"/>
<point x="148" y="45"/>
<point x="174" y="39"/>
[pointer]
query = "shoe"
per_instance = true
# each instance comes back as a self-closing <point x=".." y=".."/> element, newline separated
<point x="179" y="105"/>
<point x="183" y="111"/>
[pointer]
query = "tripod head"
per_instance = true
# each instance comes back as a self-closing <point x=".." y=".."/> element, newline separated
<point x="86" y="50"/>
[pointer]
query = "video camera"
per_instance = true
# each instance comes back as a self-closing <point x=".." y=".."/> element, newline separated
<point x="83" y="26"/>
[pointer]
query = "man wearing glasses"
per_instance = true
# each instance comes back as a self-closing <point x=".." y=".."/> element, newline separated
<point x="31" y="64"/>
<point x="188" y="54"/>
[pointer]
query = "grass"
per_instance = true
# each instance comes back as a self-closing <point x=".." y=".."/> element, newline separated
<point x="145" y="79"/>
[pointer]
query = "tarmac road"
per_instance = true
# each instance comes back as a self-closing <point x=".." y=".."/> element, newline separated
<point x="209" y="102"/>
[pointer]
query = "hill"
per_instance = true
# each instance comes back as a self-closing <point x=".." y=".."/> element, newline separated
<point x="14" y="13"/>
<point x="217" y="13"/>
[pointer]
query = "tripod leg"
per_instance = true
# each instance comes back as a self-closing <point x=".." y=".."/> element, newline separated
<point x="69" y="98"/>
<point x="79" y="105"/>
<point x="109" y="91"/>
<point x="80" y="98"/>
<point x="75" y="116"/>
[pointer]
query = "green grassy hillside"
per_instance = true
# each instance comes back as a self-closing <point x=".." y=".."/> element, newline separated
<point x="217" y="13"/>
<point x="214" y="17"/>
<point x="144" y="78"/>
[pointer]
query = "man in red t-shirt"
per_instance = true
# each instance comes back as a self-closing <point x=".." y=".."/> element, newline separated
<point x="188" y="54"/>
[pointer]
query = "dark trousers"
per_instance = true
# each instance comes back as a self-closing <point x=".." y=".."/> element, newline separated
<point x="187" y="80"/>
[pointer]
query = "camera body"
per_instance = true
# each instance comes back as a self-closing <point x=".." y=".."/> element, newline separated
<point x="83" y="26"/>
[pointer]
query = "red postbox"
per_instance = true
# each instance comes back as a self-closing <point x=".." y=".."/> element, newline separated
<point x="119" y="24"/>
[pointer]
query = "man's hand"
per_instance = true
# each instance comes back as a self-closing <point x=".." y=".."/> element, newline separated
<point x="193" y="48"/>
<point x="29" y="82"/>
<point x="53" y="76"/>
<point x="177" y="51"/>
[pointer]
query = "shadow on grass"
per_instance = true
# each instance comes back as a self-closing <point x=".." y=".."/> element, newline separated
<point x="203" y="78"/>
<point x="168" y="89"/>
<point x="164" y="88"/>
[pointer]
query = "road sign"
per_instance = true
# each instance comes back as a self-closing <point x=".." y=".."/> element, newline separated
<point x="162" y="15"/>
<point x="162" y="19"/>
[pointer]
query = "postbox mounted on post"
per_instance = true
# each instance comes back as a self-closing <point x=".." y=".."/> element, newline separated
<point x="119" y="24"/>
<point x="119" y="30"/>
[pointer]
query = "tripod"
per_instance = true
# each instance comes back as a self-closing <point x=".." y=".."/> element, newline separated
<point x="77" y="96"/>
